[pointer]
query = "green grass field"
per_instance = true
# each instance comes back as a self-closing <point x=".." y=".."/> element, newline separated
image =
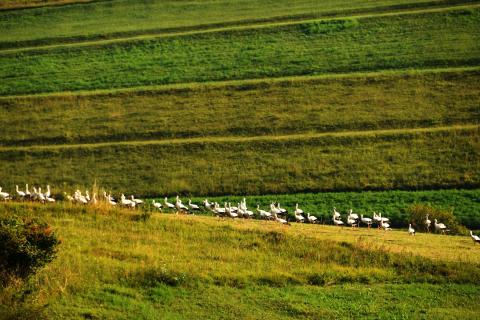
<point x="251" y="108"/>
<point x="440" y="39"/>
<point x="370" y="105"/>
<point x="405" y="159"/>
<point x="111" y="266"/>
<point x="122" y="17"/>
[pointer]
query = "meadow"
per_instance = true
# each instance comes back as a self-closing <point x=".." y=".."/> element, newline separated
<point x="112" y="265"/>
<point x="369" y="105"/>
<point x="110" y="19"/>
<point x="367" y="160"/>
<point x="423" y="40"/>
<point x="247" y="108"/>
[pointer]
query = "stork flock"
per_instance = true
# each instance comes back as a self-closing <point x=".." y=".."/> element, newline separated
<point x="276" y="212"/>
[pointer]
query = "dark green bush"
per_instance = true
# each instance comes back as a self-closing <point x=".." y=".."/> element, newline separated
<point x="25" y="246"/>
<point x="418" y="212"/>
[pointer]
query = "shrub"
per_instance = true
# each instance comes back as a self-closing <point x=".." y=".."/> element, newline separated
<point x="418" y="212"/>
<point x="25" y="246"/>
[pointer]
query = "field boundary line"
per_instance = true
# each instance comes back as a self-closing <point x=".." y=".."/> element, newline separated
<point x="231" y="139"/>
<point x="262" y="25"/>
<point x="241" y="82"/>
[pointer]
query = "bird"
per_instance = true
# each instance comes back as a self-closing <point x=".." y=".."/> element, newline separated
<point x="427" y="223"/>
<point x="280" y="220"/>
<point x="27" y="192"/>
<point x="411" y="231"/>
<point x="366" y="220"/>
<point x="351" y="221"/>
<point x="385" y="225"/>
<point x="168" y="204"/>
<point x="78" y="197"/>
<point x="157" y="205"/>
<point x="126" y="202"/>
<point x="299" y="217"/>
<point x="193" y="206"/>
<point x="230" y="212"/>
<point x="311" y="219"/>
<point x="274" y="210"/>
<point x="40" y="195"/>
<point x="207" y="205"/>
<point x="337" y="221"/>
<point x="281" y="210"/>
<point x="111" y="200"/>
<point x="137" y="201"/>
<point x="20" y="194"/>
<point x="440" y="227"/>
<point x="3" y="195"/>
<point x="336" y="213"/>
<point x="476" y="239"/>
<point x="353" y="215"/>
<point x="219" y="211"/>
<point x="180" y="206"/>
<point x="264" y="214"/>
<point x="87" y="196"/>
<point x="298" y="210"/>
<point x="52" y="200"/>
<point x="48" y="193"/>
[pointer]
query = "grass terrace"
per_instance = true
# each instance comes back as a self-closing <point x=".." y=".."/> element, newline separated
<point x="441" y="39"/>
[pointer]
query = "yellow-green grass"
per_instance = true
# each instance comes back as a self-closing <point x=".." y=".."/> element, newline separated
<point x="16" y="4"/>
<point x="123" y="18"/>
<point x="389" y="159"/>
<point x="110" y="265"/>
<point x="291" y="106"/>
<point x="441" y="39"/>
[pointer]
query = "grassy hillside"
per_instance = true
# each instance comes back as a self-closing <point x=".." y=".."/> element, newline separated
<point x="431" y="158"/>
<point x="406" y="41"/>
<point x="291" y="106"/>
<point x="102" y="19"/>
<point x="111" y="266"/>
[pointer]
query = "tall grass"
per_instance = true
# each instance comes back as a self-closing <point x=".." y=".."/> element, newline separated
<point x="447" y="158"/>
<point x="378" y="101"/>
<point x="110" y="264"/>
<point x="440" y="39"/>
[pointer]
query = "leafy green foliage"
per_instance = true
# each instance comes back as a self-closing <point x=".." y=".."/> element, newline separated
<point x="26" y="245"/>
<point x="418" y="213"/>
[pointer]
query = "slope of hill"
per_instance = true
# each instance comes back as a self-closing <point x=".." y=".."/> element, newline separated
<point x="112" y="266"/>
<point x="424" y="40"/>
<point x="309" y="129"/>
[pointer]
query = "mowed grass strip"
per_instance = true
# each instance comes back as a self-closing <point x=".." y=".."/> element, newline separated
<point x="111" y="265"/>
<point x="425" y="159"/>
<point x="107" y="19"/>
<point x="368" y="102"/>
<point x="21" y="4"/>
<point x="396" y="42"/>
